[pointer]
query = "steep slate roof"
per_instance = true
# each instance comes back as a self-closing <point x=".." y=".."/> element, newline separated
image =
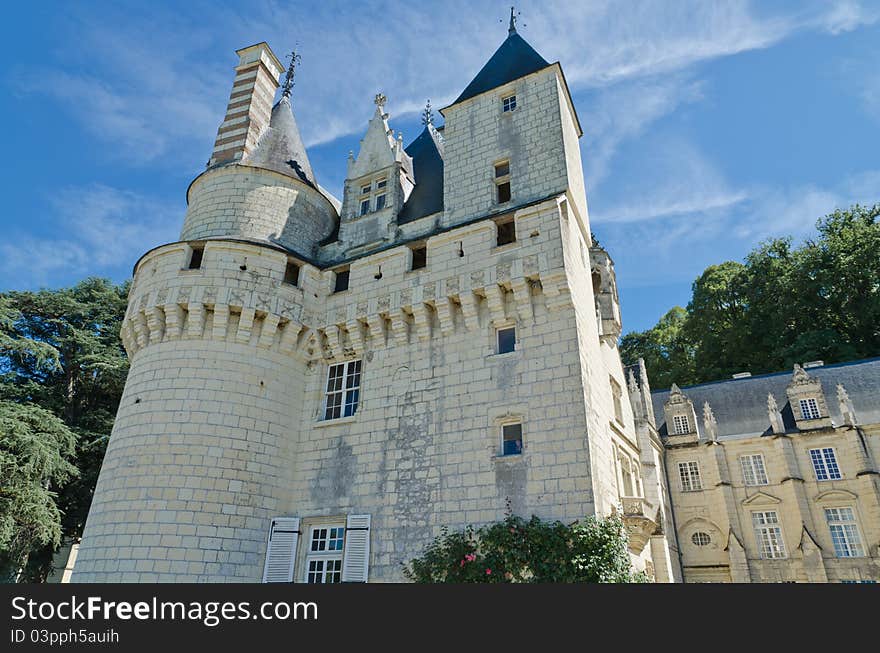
<point x="514" y="59"/>
<point x="740" y="405"/>
<point x="427" y="196"/>
<point x="281" y="148"/>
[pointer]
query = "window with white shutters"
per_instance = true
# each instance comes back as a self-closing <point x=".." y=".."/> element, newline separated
<point x="324" y="553"/>
<point x="356" y="556"/>
<point x="281" y="550"/>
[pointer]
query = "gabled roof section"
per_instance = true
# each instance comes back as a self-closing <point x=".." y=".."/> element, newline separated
<point x="514" y="59"/>
<point x="281" y="148"/>
<point x="427" y="160"/>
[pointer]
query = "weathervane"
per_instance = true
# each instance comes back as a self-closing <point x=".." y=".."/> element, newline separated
<point x="291" y="70"/>
<point x="427" y="115"/>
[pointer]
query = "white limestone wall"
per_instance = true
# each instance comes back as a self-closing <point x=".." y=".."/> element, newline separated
<point x="256" y="204"/>
<point x="477" y="134"/>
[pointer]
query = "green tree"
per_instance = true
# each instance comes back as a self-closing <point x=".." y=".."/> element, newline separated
<point x="63" y="354"/>
<point x="535" y="551"/>
<point x="668" y="354"/>
<point x="780" y="306"/>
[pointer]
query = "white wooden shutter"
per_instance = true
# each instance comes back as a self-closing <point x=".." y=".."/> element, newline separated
<point x="356" y="553"/>
<point x="281" y="550"/>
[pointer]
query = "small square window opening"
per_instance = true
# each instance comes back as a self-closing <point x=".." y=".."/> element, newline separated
<point x="419" y="258"/>
<point x="511" y="439"/>
<point x="291" y="273"/>
<point x="508" y="103"/>
<point x="506" y="340"/>
<point x="195" y="258"/>
<point x="505" y="233"/>
<point x="341" y="281"/>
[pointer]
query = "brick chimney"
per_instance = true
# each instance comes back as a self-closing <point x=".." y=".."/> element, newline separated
<point x="250" y="103"/>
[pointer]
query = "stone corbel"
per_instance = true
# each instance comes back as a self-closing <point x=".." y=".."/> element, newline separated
<point x="522" y="295"/>
<point x="422" y="318"/>
<point x="355" y="336"/>
<point x="195" y="321"/>
<point x="173" y="321"/>
<point x="155" y="323"/>
<point x="289" y="337"/>
<point x="495" y="302"/>
<point x="270" y="327"/>
<point x="333" y="349"/>
<point x="470" y="310"/>
<point x="376" y="324"/>
<point x="445" y="314"/>
<point x="245" y="325"/>
<point x="139" y="326"/>
<point x="399" y="326"/>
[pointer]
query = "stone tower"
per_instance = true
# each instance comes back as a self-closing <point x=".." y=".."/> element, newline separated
<point x="317" y="387"/>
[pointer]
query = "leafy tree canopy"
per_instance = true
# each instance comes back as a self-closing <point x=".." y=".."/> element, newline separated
<point x="60" y="350"/>
<point x="782" y="305"/>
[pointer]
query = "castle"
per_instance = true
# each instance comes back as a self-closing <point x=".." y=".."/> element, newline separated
<point x="318" y="386"/>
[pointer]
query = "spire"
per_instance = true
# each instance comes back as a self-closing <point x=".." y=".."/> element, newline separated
<point x="281" y="148"/>
<point x="512" y="28"/>
<point x="287" y="85"/>
<point x="427" y="114"/>
<point x="710" y="424"/>
<point x="776" y="424"/>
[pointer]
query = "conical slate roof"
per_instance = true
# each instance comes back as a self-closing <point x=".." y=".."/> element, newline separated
<point x="427" y="160"/>
<point x="514" y="59"/>
<point x="280" y="148"/>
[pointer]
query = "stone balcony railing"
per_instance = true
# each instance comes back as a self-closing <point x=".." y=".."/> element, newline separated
<point x="639" y="521"/>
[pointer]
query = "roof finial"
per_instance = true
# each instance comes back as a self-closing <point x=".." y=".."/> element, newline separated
<point x="380" y="100"/>
<point x="427" y="115"/>
<point x="291" y="70"/>
<point x="512" y="28"/>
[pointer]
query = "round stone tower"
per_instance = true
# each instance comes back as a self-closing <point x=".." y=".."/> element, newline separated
<point x="200" y="455"/>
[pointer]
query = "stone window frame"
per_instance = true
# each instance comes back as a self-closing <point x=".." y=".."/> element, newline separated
<point x="809" y="407"/>
<point x="623" y="460"/>
<point x="690" y="478"/>
<point x="500" y="180"/>
<point x="423" y="259"/>
<point x="292" y="273"/>
<point x="327" y="556"/>
<point x="349" y="369"/>
<point x="830" y="468"/>
<point x="498" y="418"/>
<point x="508" y="103"/>
<point x="769" y="537"/>
<point x="338" y="274"/>
<point x="617" y="399"/>
<point x="701" y="538"/>
<point x="752" y="470"/>
<point x="195" y="252"/>
<point x="502" y="426"/>
<point x="856" y="546"/>
<point x="496" y="346"/>
<point x="677" y="429"/>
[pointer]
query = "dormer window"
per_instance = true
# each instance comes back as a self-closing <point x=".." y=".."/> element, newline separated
<point x="809" y="408"/>
<point x="508" y="103"/>
<point x="374" y="196"/>
<point x="681" y="425"/>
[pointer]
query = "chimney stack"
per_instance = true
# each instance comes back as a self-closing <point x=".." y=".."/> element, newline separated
<point x="250" y="103"/>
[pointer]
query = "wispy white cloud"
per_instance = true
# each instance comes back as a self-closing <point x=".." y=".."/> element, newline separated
<point x="166" y="94"/>
<point x="104" y="231"/>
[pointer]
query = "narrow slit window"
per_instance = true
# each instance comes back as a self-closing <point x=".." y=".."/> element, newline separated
<point x="291" y="273"/>
<point x="341" y="281"/>
<point x="511" y="439"/>
<point x="502" y="182"/>
<point x="419" y="258"/>
<point x="506" y="340"/>
<point x="195" y="257"/>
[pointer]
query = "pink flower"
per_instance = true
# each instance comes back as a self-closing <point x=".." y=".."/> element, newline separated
<point x="462" y="564"/>
<point x="488" y="571"/>
<point x="470" y="557"/>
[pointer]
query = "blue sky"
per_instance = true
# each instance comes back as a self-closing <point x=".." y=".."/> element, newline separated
<point x="709" y="126"/>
